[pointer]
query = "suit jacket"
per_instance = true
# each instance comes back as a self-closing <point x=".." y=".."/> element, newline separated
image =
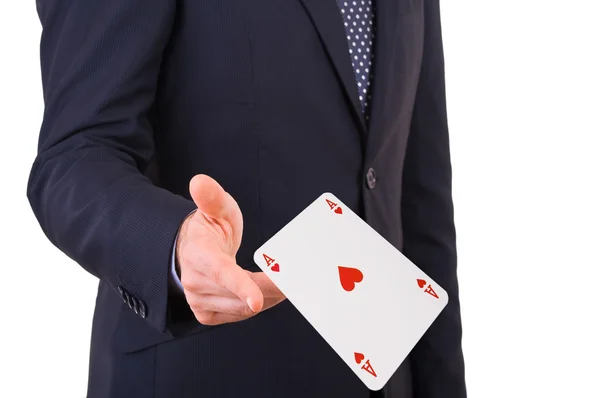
<point x="141" y="95"/>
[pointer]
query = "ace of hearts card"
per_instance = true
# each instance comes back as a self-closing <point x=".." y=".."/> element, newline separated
<point x="363" y="296"/>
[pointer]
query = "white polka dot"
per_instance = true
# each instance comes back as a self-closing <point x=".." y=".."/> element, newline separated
<point x="358" y="42"/>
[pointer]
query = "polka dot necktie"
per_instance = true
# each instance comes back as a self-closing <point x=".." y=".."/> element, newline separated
<point x="358" y="18"/>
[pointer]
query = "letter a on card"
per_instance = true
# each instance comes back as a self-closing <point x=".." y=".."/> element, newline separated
<point x="268" y="259"/>
<point x="331" y="204"/>
<point x="430" y="290"/>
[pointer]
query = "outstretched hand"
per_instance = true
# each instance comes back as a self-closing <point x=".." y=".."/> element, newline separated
<point x="217" y="289"/>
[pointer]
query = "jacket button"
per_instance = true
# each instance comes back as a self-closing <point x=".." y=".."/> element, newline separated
<point x="124" y="294"/>
<point x="131" y="301"/>
<point x="371" y="178"/>
<point x="135" y="305"/>
<point x="126" y="297"/>
<point x="142" y="310"/>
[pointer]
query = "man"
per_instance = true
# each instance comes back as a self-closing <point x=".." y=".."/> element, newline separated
<point x="178" y="136"/>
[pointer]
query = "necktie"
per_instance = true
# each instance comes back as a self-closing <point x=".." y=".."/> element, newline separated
<point x="358" y="19"/>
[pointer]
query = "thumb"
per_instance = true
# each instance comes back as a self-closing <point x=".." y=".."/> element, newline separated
<point x="214" y="202"/>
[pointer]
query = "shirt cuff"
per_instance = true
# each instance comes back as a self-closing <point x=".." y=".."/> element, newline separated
<point x="174" y="279"/>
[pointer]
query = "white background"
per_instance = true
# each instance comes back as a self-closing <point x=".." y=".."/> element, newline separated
<point x="523" y="85"/>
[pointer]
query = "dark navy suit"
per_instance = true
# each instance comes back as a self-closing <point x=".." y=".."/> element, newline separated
<point x="141" y="95"/>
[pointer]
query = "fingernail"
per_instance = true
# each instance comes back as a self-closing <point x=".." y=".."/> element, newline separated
<point x="249" y="302"/>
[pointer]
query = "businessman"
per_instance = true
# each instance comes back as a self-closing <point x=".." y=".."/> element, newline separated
<point x="178" y="136"/>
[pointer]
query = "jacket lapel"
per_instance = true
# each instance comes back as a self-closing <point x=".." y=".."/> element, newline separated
<point x="327" y="19"/>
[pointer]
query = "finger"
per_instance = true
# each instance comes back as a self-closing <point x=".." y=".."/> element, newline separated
<point x="225" y="305"/>
<point x="214" y="202"/>
<point x="217" y="318"/>
<point x="272" y="302"/>
<point x="204" y="286"/>
<point x="266" y="285"/>
<point x="211" y="318"/>
<point x="225" y="273"/>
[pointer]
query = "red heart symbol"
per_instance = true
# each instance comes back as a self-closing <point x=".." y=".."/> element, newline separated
<point x="421" y="283"/>
<point x="275" y="267"/>
<point x="349" y="277"/>
<point x="338" y="210"/>
<point x="358" y="357"/>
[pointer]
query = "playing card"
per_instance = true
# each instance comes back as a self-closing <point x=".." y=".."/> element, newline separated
<point x="366" y="299"/>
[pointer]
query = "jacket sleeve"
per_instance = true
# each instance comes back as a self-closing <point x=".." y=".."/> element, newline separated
<point x="428" y="221"/>
<point x="88" y="187"/>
